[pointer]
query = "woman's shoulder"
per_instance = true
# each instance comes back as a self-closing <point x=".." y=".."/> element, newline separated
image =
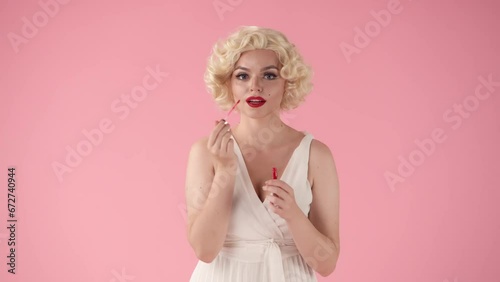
<point x="319" y="151"/>
<point x="318" y="148"/>
<point x="321" y="161"/>
<point x="200" y="143"/>
<point x="199" y="150"/>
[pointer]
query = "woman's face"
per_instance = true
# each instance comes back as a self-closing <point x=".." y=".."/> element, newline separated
<point x="257" y="83"/>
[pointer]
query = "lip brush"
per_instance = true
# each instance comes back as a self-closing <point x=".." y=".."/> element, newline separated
<point x="230" y="111"/>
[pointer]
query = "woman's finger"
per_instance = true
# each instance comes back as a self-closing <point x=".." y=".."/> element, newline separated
<point x="275" y="191"/>
<point x="215" y="132"/>
<point x="221" y="134"/>
<point x="281" y="184"/>
<point x="225" y="140"/>
<point x="278" y="189"/>
<point x="276" y="201"/>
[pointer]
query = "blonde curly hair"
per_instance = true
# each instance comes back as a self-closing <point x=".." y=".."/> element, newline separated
<point x="226" y="52"/>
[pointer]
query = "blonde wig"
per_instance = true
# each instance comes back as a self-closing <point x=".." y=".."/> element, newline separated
<point x="226" y="52"/>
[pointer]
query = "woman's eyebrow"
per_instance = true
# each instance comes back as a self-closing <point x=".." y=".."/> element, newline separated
<point x="263" y="69"/>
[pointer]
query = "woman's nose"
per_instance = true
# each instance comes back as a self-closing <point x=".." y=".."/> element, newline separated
<point x="255" y="86"/>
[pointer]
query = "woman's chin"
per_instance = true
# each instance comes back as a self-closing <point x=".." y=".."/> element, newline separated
<point x="255" y="113"/>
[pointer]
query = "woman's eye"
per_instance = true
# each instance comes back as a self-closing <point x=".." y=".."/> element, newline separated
<point x="270" y="75"/>
<point x="241" y="76"/>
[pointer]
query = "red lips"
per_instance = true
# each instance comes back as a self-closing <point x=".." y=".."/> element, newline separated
<point x="255" y="101"/>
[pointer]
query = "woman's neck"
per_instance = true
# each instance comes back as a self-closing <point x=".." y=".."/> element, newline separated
<point x="263" y="133"/>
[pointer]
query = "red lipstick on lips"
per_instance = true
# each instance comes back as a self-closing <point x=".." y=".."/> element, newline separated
<point x="255" y="101"/>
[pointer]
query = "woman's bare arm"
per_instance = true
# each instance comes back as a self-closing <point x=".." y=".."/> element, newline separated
<point x="209" y="194"/>
<point x="317" y="237"/>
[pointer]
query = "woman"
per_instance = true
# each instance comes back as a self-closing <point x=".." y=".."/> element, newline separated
<point x="242" y="224"/>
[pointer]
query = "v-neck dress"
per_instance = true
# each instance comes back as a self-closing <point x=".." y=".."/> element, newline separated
<point x="259" y="246"/>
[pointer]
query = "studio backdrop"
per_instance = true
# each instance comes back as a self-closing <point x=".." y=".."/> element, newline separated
<point x="102" y="100"/>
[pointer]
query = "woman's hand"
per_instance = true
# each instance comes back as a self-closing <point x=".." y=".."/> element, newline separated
<point x="221" y="146"/>
<point x="282" y="199"/>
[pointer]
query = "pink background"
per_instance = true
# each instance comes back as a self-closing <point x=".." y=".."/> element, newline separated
<point x="119" y="214"/>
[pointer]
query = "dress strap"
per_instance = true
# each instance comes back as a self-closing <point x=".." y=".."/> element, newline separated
<point x="305" y="147"/>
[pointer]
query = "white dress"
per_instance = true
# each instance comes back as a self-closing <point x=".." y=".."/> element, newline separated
<point x="258" y="246"/>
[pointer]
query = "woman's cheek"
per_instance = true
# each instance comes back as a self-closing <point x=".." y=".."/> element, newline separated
<point x="238" y="90"/>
